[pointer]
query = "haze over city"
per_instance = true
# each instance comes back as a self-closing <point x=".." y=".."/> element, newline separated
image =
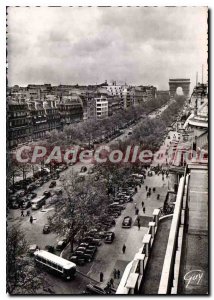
<point x="138" y="45"/>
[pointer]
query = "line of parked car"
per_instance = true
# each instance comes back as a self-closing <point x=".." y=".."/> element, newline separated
<point x="21" y="194"/>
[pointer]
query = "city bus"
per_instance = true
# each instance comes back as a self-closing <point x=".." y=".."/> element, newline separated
<point x="38" y="202"/>
<point x="55" y="264"/>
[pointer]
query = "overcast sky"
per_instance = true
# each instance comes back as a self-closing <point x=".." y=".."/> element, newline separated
<point x="87" y="45"/>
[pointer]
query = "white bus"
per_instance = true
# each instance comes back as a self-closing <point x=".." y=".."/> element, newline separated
<point x="55" y="264"/>
<point x="38" y="202"/>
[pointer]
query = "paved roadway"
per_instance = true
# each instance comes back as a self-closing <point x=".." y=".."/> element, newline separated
<point x="108" y="256"/>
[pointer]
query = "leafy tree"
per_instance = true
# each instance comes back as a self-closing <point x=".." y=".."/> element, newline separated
<point x="79" y="206"/>
<point x="22" y="276"/>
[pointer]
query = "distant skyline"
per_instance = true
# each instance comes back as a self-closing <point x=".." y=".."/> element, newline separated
<point x="137" y="45"/>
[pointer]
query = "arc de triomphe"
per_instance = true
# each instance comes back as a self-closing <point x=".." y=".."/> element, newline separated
<point x="175" y="83"/>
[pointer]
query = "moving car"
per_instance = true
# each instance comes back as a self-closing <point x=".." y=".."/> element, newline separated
<point x="149" y="173"/>
<point x="47" y="194"/>
<point x="58" y="191"/>
<point x="53" y="184"/>
<point x="109" y="237"/>
<point x="46" y="229"/>
<point x="127" y="222"/>
<point x="61" y="245"/>
<point x="32" y="248"/>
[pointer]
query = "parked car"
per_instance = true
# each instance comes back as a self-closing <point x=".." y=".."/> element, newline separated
<point x="90" y="252"/>
<point x="31" y="187"/>
<point x="88" y="256"/>
<point x="77" y="260"/>
<point x="31" y="196"/>
<point x="84" y="245"/>
<point x="26" y="204"/>
<point x="80" y="248"/>
<point x="14" y="204"/>
<point x="20" y="193"/>
<point x="127" y="222"/>
<point x="46" y="229"/>
<point x="109" y="237"/>
<point x="53" y="184"/>
<point x="91" y="247"/>
<point x="95" y="290"/>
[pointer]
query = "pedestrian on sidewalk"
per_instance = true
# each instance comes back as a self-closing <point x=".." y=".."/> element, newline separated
<point x="101" y="276"/>
<point x="31" y="219"/>
<point x="135" y="205"/>
<point x="124" y="249"/>
<point x="22" y="213"/>
<point x="28" y="213"/>
<point x="138" y="225"/>
<point x="158" y="196"/>
<point x="135" y="189"/>
<point x="118" y="273"/>
<point x="108" y="288"/>
<point x="111" y="282"/>
<point x="115" y="273"/>
<point x="146" y="187"/>
<point x="154" y="189"/>
<point x="144" y="210"/>
<point x="142" y="204"/>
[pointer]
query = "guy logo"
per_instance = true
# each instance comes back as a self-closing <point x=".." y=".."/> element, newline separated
<point x="193" y="277"/>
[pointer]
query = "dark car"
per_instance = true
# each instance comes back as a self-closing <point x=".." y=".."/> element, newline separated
<point x="47" y="194"/>
<point x="31" y="196"/>
<point x="84" y="245"/>
<point x="91" y="247"/>
<point x="83" y="169"/>
<point x="61" y="245"/>
<point x="95" y="290"/>
<point x="82" y="249"/>
<point x="88" y="256"/>
<point x="14" y="205"/>
<point x="91" y="251"/>
<point x="149" y="173"/>
<point x="46" y="229"/>
<point x="127" y="222"/>
<point x="50" y="248"/>
<point x="53" y="184"/>
<point x="26" y="204"/>
<point x="109" y="237"/>
<point x="77" y="260"/>
<point x="31" y="187"/>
